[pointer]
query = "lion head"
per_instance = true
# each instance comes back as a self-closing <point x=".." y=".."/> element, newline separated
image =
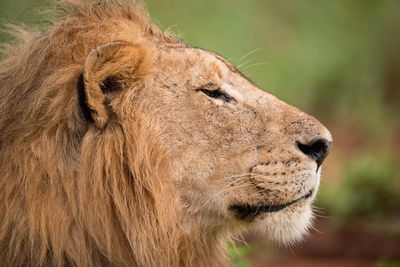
<point x="121" y="146"/>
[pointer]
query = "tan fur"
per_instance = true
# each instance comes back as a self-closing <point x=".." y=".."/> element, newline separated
<point x="149" y="180"/>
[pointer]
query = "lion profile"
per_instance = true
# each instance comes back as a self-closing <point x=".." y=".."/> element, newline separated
<point x="123" y="146"/>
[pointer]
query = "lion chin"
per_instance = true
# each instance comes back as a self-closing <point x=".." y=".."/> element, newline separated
<point x="285" y="227"/>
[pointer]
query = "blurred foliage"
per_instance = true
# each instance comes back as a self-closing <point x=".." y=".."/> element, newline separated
<point x="238" y="254"/>
<point x="370" y="189"/>
<point x="388" y="263"/>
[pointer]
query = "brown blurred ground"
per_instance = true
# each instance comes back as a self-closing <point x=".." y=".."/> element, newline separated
<point x="353" y="245"/>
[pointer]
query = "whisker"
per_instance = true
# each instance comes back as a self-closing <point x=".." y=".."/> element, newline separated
<point x="223" y="190"/>
<point x="244" y="64"/>
<point x="255" y="64"/>
<point x="234" y="176"/>
<point x="316" y="230"/>
<point x="251" y="52"/>
<point x="322" y="216"/>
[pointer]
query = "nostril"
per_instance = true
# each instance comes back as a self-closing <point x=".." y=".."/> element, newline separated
<point x="316" y="150"/>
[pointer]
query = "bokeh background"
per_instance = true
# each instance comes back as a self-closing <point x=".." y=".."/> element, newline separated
<point x="337" y="60"/>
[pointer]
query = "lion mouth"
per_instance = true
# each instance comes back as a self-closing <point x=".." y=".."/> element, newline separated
<point x="246" y="211"/>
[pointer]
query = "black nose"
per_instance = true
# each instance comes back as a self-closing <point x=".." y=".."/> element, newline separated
<point x="316" y="150"/>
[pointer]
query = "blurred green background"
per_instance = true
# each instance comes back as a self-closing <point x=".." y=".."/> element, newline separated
<point x="337" y="60"/>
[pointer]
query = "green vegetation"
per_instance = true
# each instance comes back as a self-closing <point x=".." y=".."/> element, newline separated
<point x="370" y="188"/>
<point x="238" y="254"/>
<point x="388" y="263"/>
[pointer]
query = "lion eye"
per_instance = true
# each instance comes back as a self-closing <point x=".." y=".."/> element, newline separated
<point x="217" y="94"/>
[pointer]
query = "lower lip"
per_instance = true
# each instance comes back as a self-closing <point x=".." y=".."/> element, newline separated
<point x="247" y="211"/>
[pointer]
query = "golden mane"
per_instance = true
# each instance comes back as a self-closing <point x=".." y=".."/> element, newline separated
<point x="79" y="198"/>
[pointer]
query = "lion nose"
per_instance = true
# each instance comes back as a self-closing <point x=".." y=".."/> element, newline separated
<point x="317" y="149"/>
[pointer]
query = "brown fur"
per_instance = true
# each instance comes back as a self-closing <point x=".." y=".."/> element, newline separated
<point x="120" y="190"/>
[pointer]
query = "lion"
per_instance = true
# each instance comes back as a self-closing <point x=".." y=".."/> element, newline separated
<point x="121" y="145"/>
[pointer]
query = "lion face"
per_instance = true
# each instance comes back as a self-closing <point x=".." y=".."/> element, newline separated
<point x="239" y="156"/>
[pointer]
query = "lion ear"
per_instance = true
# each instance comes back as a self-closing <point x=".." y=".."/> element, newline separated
<point x="107" y="68"/>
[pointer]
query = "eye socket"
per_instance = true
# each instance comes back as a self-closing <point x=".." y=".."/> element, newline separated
<point x="217" y="94"/>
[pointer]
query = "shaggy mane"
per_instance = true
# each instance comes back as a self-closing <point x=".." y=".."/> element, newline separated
<point x="70" y="194"/>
